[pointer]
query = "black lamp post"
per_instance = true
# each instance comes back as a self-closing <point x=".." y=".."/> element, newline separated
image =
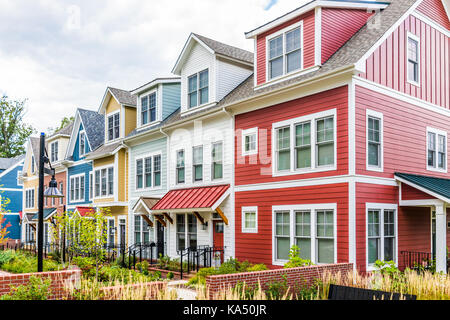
<point x="51" y="192"/>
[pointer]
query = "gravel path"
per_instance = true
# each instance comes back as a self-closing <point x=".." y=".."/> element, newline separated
<point x="182" y="292"/>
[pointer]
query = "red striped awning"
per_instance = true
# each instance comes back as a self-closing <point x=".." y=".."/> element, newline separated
<point x="192" y="198"/>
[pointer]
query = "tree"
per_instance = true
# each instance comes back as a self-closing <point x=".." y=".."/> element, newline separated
<point x="13" y="131"/>
<point x="85" y="235"/>
<point x="3" y="227"/>
<point x="64" y="122"/>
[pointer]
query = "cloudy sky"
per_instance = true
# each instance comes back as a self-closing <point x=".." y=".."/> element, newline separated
<point x="61" y="55"/>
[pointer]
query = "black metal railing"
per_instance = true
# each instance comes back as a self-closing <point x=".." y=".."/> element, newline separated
<point x="417" y="260"/>
<point x="194" y="258"/>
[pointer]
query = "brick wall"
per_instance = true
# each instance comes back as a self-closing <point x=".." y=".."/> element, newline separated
<point x="140" y="291"/>
<point x="59" y="280"/>
<point x="296" y="277"/>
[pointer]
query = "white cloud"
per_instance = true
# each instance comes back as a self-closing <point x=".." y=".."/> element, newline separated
<point x="60" y="60"/>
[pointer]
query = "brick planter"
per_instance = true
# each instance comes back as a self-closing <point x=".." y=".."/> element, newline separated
<point x="147" y="290"/>
<point x="60" y="279"/>
<point x="296" y="277"/>
<point x="164" y="272"/>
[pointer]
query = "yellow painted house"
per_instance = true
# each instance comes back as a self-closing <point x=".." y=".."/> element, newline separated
<point x="110" y="162"/>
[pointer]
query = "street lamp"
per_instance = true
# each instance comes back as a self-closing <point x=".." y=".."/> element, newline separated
<point x="51" y="192"/>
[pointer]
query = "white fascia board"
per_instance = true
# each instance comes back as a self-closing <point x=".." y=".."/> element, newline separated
<point x="155" y="82"/>
<point x="310" y="6"/>
<point x="181" y="57"/>
<point x="12" y="168"/>
<point x="431" y="193"/>
<point x="102" y="104"/>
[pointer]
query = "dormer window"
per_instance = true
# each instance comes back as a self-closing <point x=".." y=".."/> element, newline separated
<point x="198" y="89"/>
<point x="113" y="126"/>
<point x="82" y="143"/>
<point x="54" y="151"/>
<point x="285" y="52"/>
<point x="148" y="108"/>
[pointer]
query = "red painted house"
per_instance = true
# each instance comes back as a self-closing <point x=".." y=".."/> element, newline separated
<point x="342" y="135"/>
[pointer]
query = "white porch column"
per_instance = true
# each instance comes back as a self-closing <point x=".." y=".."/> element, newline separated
<point x="441" y="239"/>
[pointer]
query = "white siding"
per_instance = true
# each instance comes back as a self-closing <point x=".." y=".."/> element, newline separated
<point x="229" y="76"/>
<point x="199" y="59"/>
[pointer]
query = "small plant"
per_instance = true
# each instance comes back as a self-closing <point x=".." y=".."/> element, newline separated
<point x="6" y="256"/>
<point x="143" y="267"/>
<point x="295" y="260"/>
<point x="36" y="289"/>
<point x="277" y="289"/>
<point x="170" y="275"/>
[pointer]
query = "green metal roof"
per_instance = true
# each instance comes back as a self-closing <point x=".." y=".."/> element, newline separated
<point x="438" y="186"/>
<point x="47" y="213"/>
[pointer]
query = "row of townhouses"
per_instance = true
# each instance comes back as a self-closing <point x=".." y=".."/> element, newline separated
<point x="332" y="135"/>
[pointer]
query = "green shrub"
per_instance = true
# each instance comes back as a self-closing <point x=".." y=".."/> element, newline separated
<point x="276" y="289"/>
<point x="143" y="267"/>
<point x="6" y="256"/>
<point x="295" y="260"/>
<point x="257" y="267"/>
<point x="36" y="289"/>
<point x="170" y="275"/>
<point x="84" y="263"/>
<point x="200" y="277"/>
<point x="24" y="263"/>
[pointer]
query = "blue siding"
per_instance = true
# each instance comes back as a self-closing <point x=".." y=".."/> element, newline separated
<point x="15" y="200"/>
<point x="171" y="98"/>
<point x="14" y="230"/>
<point x="85" y="168"/>
<point x="9" y="181"/>
<point x="76" y="149"/>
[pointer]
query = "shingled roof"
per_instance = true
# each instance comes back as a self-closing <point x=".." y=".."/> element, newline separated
<point x="226" y="49"/>
<point x="124" y="96"/>
<point x="94" y="126"/>
<point x="5" y="163"/>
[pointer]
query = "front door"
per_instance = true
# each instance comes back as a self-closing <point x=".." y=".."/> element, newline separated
<point x="122" y="232"/>
<point x="218" y="237"/>
<point x="159" y="238"/>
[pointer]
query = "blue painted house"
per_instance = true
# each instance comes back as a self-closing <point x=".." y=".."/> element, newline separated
<point x="11" y="188"/>
<point x="87" y="135"/>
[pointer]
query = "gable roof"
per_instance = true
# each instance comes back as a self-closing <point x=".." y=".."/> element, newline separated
<point x="215" y="47"/>
<point x="123" y="97"/>
<point x="94" y="126"/>
<point x="6" y="163"/>
<point x="438" y="187"/>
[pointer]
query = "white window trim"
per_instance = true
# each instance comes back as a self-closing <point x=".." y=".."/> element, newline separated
<point x="52" y="144"/>
<point x="176" y="166"/>
<point x="188" y="107"/>
<point x="142" y="157"/>
<point x="91" y="185"/>
<point x="119" y="218"/>
<point x="276" y="34"/>
<point x="291" y="123"/>
<point x="378" y="115"/>
<point x="221" y="161"/>
<point x="437" y="132"/>
<point x="303" y="207"/>
<point x="107" y="129"/>
<point x="248" y="132"/>
<point x="186" y="229"/>
<point x="107" y="230"/>
<point x="157" y="108"/>
<point x="415" y="38"/>
<point x="203" y="165"/>
<point x="80" y="152"/>
<point x="34" y="198"/>
<point x="19" y="178"/>
<point x="108" y="196"/>
<point x="246" y="210"/>
<point x="82" y="197"/>
<point x="381" y="207"/>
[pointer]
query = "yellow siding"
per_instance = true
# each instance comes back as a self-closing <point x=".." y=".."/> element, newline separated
<point x="117" y="212"/>
<point x="130" y="120"/>
<point x="121" y="175"/>
<point x="29" y="185"/>
<point x="112" y="106"/>
<point x="103" y="162"/>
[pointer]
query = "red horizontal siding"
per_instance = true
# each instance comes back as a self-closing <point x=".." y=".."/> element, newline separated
<point x="404" y="131"/>
<point x="257" y="247"/>
<point x="434" y="9"/>
<point x="258" y="169"/>
<point x="338" y="26"/>
<point x="410" y="193"/>
<point x="387" y="65"/>
<point x="308" y="44"/>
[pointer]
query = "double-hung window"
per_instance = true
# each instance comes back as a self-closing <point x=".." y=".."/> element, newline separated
<point x="305" y="144"/>
<point x="29" y="198"/>
<point x="198" y="88"/>
<point x="114" y="126"/>
<point x="141" y="230"/>
<point x="381" y="233"/>
<point x="82" y="143"/>
<point x="104" y="182"/>
<point x="197" y="163"/>
<point x="148" y="108"/>
<point x="285" y="52"/>
<point x="374" y="140"/>
<point x="180" y="166"/>
<point x="91" y="185"/>
<point x="436" y="150"/>
<point x="250" y="219"/>
<point x="54" y="151"/>
<point x="413" y="58"/>
<point x="186" y="231"/>
<point x="217" y="160"/>
<point x="250" y="141"/>
<point x="111" y="232"/>
<point x="77" y="188"/>
<point x="148" y="172"/>
<point x="310" y="227"/>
